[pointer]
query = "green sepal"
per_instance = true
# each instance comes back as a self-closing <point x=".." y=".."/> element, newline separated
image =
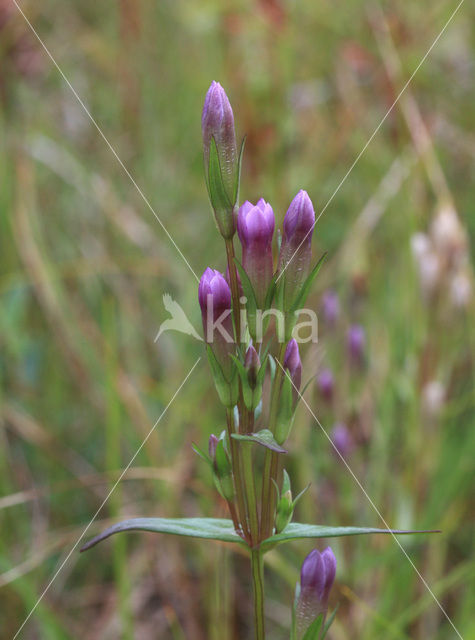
<point x="263" y="437"/>
<point x="286" y="412"/>
<point x="273" y="368"/>
<point x="305" y="290"/>
<point x="204" y="456"/>
<point x="223" y="469"/>
<point x="251" y="396"/>
<point x="293" y="626"/>
<point x="238" y="173"/>
<point x="285" y="482"/>
<point x="329" y="622"/>
<point x="222" y="205"/>
<point x="270" y="292"/>
<point x="227" y="391"/>
<point x="284" y="511"/>
<point x="251" y="301"/>
<point x="313" y="632"/>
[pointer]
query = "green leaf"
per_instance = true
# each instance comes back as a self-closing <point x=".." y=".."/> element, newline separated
<point x="329" y="622"/>
<point x="263" y="437"/>
<point x="207" y="528"/>
<point x="270" y="292"/>
<point x="201" y="453"/>
<point x="238" y="173"/>
<point x="313" y="631"/>
<point x="302" y="296"/>
<point x="296" y="531"/>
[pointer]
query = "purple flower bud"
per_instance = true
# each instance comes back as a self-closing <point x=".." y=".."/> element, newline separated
<point x="212" y="444"/>
<point x="255" y="225"/>
<point x="312" y="574"/>
<point x="329" y="561"/>
<point x="296" y="249"/>
<point x="252" y="364"/>
<point x="316" y="579"/>
<point x="214" y="296"/>
<point x="326" y="384"/>
<point x="356" y="341"/>
<point x="331" y="307"/>
<point x="341" y="438"/>
<point x="217" y="121"/>
<point x="293" y="365"/>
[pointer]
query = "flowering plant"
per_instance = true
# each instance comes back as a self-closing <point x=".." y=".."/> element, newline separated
<point x="244" y="351"/>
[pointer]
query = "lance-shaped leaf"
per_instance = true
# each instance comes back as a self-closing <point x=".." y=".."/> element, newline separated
<point x="297" y="530"/>
<point x="329" y="622"/>
<point x="263" y="437"/>
<point x="302" y="296"/>
<point x="207" y="528"/>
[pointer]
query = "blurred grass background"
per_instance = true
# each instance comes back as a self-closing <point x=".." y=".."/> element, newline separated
<point x="84" y="264"/>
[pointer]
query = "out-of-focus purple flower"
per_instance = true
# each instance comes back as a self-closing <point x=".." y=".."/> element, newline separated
<point x="293" y="365"/>
<point x="214" y="296"/>
<point x="316" y="580"/>
<point x="341" y="438"/>
<point x="255" y="226"/>
<point x="331" y="307"/>
<point x="326" y="384"/>
<point x="356" y="343"/>
<point x="296" y="249"/>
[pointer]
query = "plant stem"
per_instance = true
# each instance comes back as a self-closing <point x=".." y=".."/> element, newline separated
<point x="257" y="568"/>
<point x="234" y="288"/>
<point x="250" y="490"/>
<point x="237" y="471"/>
<point x="268" y="498"/>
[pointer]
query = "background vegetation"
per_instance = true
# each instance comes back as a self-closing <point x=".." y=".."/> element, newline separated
<point x="84" y="264"/>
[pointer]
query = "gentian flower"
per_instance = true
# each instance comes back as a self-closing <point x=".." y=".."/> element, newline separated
<point x="296" y="249"/>
<point x="255" y="225"/>
<point x="217" y="121"/>
<point x="214" y="297"/>
<point x="316" y="579"/>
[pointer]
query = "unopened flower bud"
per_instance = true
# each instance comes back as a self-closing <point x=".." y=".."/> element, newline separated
<point x="214" y="296"/>
<point x="326" y="384"/>
<point x="293" y="365"/>
<point x="331" y="307"/>
<point x="223" y="470"/>
<point x="252" y="364"/>
<point x="289" y="392"/>
<point x="285" y="505"/>
<point x="255" y="225"/>
<point x="296" y="249"/>
<point x="212" y="444"/>
<point x="217" y="122"/>
<point x="356" y="342"/>
<point x="316" y="579"/>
